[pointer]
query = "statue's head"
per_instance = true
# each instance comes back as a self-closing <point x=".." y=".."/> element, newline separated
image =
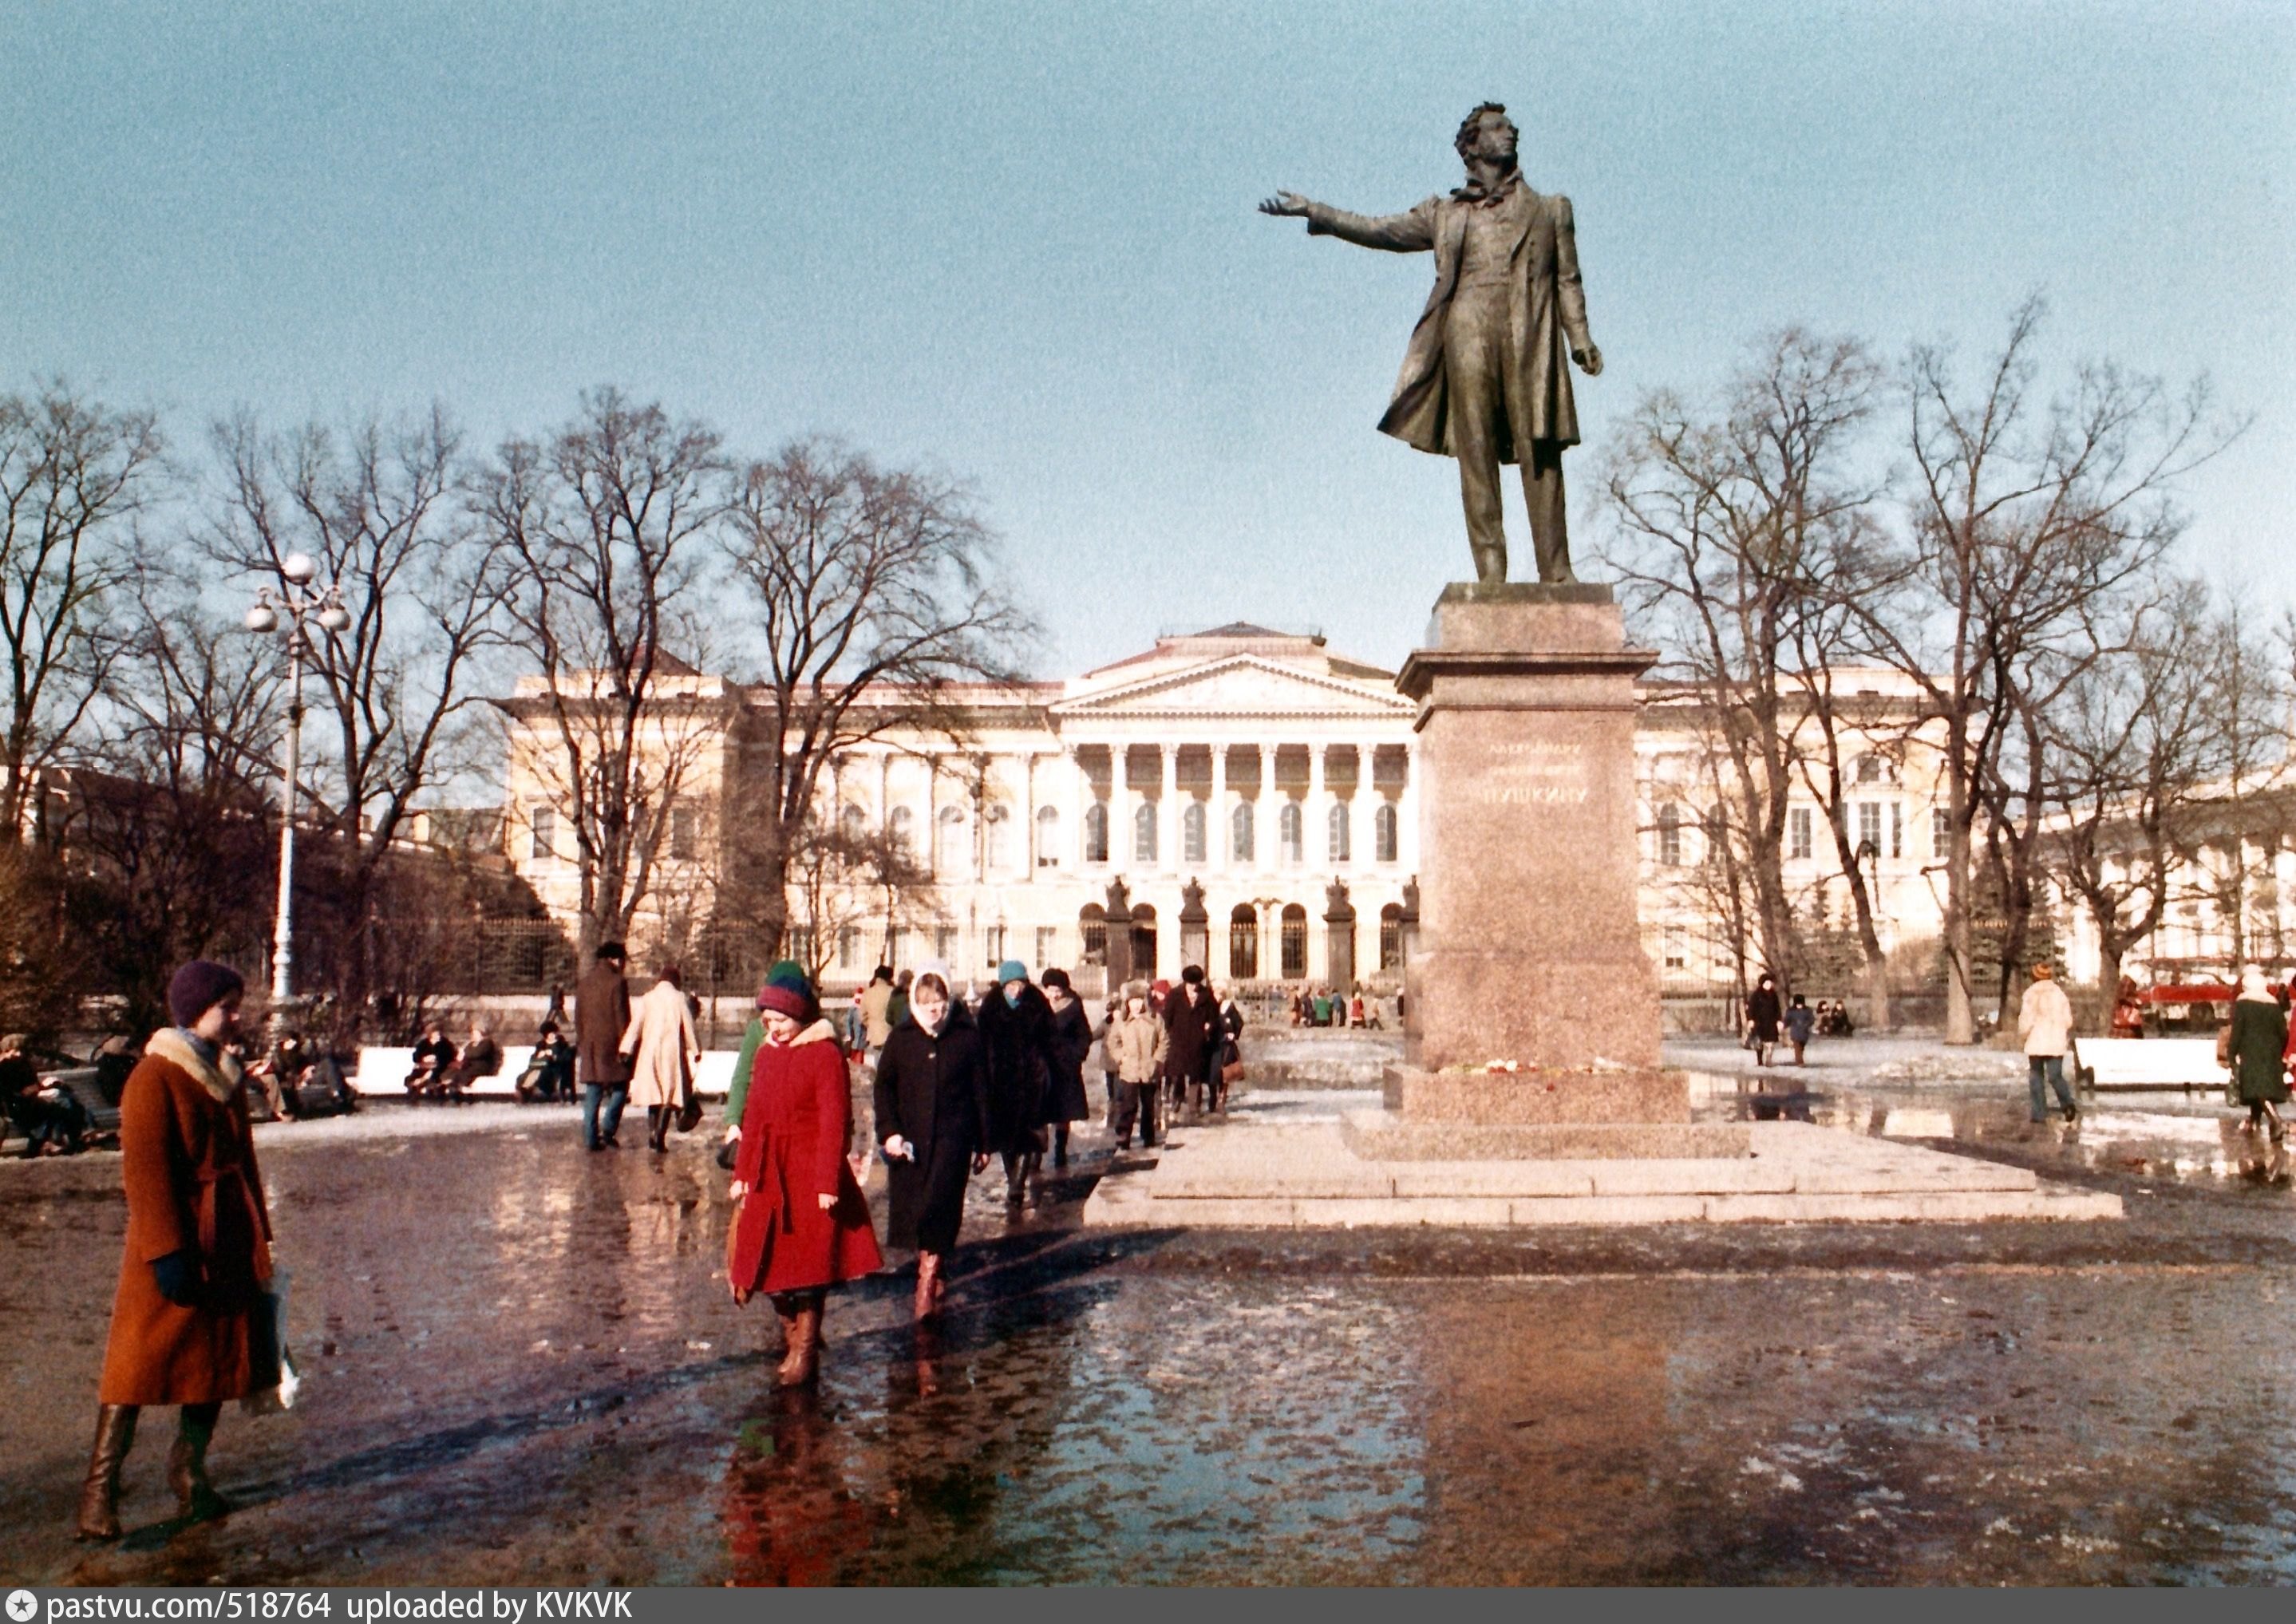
<point x="1487" y="133"/>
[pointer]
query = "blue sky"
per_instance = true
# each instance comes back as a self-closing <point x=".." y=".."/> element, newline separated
<point x="1017" y="242"/>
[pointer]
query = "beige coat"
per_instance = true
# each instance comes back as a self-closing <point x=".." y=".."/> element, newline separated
<point x="661" y="1039"/>
<point x="2044" y="1020"/>
<point x="875" y="1001"/>
<point x="1136" y="1046"/>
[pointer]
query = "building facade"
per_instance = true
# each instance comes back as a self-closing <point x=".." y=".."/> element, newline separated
<point x="1240" y="798"/>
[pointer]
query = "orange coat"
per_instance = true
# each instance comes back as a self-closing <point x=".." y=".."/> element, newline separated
<point x="795" y="1128"/>
<point x="187" y="1159"/>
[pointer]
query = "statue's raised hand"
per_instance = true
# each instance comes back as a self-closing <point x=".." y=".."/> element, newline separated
<point x="1286" y="203"/>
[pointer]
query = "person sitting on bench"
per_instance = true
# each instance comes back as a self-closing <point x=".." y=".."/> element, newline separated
<point x="549" y="1073"/>
<point x="480" y="1057"/>
<point x="433" y="1057"/>
<point x="52" y="1122"/>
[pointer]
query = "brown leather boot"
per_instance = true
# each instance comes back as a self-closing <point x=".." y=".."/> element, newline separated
<point x="928" y="1299"/>
<point x="98" y="1496"/>
<point x="196" y="1499"/>
<point x="802" y="1363"/>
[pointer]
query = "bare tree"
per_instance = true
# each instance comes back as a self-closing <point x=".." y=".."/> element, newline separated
<point x="74" y="476"/>
<point x="847" y="879"/>
<point x="1737" y="527"/>
<point x="2246" y="699"/>
<point x="869" y="594"/>
<point x="2130" y="751"/>
<point x="609" y="528"/>
<point x="2025" y="516"/>
<point x="379" y="512"/>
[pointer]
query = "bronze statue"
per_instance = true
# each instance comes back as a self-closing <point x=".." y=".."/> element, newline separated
<point x="1484" y="379"/>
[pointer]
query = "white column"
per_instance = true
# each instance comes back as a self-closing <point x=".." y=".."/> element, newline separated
<point x="1216" y="830"/>
<point x="1406" y="813"/>
<point x="1263" y="815"/>
<point x="1029" y="816"/>
<point x="1316" y="837"/>
<point x="885" y="790"/>
<point x="1119" y="808"/>
<point x="1080" y="799"/>
<point x="1168" y="812"/>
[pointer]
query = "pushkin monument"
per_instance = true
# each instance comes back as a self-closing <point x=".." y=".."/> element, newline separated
<point x="1528" y="949"/>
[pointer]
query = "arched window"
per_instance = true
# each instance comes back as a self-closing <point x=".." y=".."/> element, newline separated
<point x="1295" y="941"/>
<point x="1092" y="932"/>
<point x="1191" y="832"/>
<point x="1342" y="830"/>
<point x="1385" y="822"/>
<point x="1391" y="937"/>
<point x="542" y="823"/>
<point x="1095" y="833"/>
<point x="997" y="835"/>
<point x="1144" y="939"/>
<point x="902" y="827"/>
<point x="1143" y="833"/>
<point x="1239" y="832"/>
<point x="853" y="824"/>
<point x="1048" y="837"/>
<point x="1713" y="830"/>
<point x="1670" y="835"/>
<point x="1290" y="841"/>
<point x="950" y="852"/>
<point x="1243" y="942"/>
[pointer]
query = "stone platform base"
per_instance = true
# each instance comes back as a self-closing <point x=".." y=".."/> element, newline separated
<point x="1305" y="1176"/>
<point x="1493" y="1099"/>
<point x="1380" y="1136"/>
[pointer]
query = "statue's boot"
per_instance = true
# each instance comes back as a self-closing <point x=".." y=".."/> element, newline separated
<point x="1490" y="565"/>
<point x="98" y="1495"/>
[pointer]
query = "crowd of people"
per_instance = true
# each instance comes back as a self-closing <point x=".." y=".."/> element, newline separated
<point x="1324" y="1006"/>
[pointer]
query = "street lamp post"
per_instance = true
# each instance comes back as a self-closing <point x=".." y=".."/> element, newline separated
<point x="295" y="604"/>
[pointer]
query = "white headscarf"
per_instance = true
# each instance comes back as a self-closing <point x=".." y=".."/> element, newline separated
<point x="2253" y="986"/>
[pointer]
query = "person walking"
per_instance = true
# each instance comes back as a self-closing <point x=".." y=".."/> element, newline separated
<point x="1109" y="1076"/>
<point x="1231" y="1049"/>
<point x="800" y="1224"/>
<point x="1016" y="1033"/>
<point x="2044" y="1020"/>
<point x="1801" y="1020"/>
<point x="932" y="1123"/>
<point x="875" y="1003"/>
<point x="601" y="1014"/>
<point x="1071" y="1042"/>
<point x="191" y="1320"/>
<point x="664" y="1052"/>
<point x="2258" y="1050"/>
<point x="1762" y="1016"/>
<point x="1191" y="1041"/>
<point x="1135" y="1042"/>
<point x="896" y="1007"/>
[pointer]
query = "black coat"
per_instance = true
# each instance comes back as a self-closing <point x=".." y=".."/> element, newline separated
<point x="1071" y="1042"/>
<point x="1192" y="1036"/>
<point x="1762" y="1013"/>
<point x="1017" y="1041"/>
<point x="933" y="1091"/>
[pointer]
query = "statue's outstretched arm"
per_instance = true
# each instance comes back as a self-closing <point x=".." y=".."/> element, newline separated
<point x="1412" y="233"/>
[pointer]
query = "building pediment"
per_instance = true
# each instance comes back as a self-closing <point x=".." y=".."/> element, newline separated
<point x="1242" y="686"/>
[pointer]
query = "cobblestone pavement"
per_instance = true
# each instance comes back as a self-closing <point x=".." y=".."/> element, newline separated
<point x="521" y="1368"/>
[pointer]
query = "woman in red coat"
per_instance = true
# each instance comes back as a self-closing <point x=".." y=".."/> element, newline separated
<point x="190" y="1324"/>
<point x="800" y="1224"/>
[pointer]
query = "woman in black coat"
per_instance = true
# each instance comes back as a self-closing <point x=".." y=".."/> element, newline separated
<point x="1763" y="1014"/>
<point x="932" y="1123"/>
<point x="1016" y="1037"/>
<point x="1071" y="1042"/>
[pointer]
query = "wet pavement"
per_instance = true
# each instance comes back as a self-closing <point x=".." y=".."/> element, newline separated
<point x="522" y="1368"/>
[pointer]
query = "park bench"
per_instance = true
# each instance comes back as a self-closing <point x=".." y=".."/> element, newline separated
<point x="2101" y="1064"/>
<point x="79" y="1082"/>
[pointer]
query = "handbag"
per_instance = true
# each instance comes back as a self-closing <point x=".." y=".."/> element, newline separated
<point x="689" y="1103"/>
<point x="276" y="1378"/>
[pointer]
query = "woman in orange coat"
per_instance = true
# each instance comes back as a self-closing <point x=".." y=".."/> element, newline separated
<point x="190" y="1323"/>
<point x="800" y="1224"/>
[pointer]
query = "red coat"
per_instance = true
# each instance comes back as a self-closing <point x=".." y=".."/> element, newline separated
<point x="187" y="1159"/>
<point x="795" y="1128"/>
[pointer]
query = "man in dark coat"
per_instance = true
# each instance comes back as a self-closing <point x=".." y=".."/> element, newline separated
<point x="1071" y="1042"/>
<point x="1016" y="1034"/>
<point x="1193" y="1039"/>
<point x="601" y="1014"/>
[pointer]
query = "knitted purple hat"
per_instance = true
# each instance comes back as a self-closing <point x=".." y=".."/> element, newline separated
<point x="787" y="991"/>
<point x="199" y="987"/>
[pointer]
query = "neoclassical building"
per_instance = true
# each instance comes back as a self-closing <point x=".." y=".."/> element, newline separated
<point x="1240" y="798"/>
